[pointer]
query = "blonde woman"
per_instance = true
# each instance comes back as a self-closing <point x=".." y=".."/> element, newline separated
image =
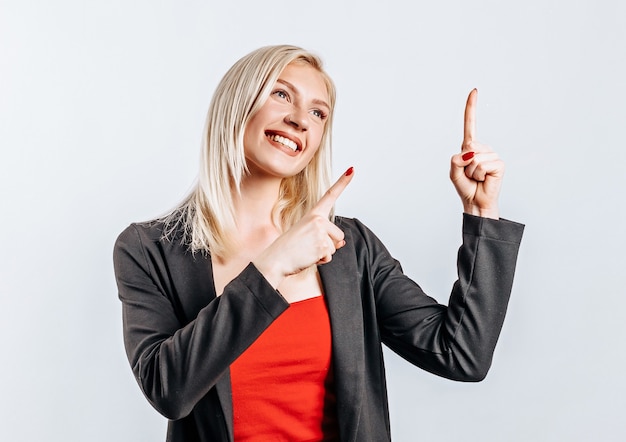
<point x="251" y="312"/>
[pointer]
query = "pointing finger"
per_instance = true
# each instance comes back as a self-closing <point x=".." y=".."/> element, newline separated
<point x="469" y="128"/>
<point x="326" y="203"/>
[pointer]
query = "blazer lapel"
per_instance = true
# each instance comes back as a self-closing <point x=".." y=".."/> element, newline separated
<point x="223" y="385"/>
<point x="341" y="288"/>
<point x="224" y="394"/>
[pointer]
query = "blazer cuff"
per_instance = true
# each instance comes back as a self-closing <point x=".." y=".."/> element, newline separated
<point x="271" y="300"/>
<point x="497" y="229"/>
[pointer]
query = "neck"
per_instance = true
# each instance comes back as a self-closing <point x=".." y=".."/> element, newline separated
<point x="253" y="208"/>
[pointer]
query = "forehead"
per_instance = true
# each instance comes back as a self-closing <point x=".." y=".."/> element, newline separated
<point x="306" y="79"/>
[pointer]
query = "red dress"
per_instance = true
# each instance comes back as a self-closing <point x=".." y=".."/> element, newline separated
<point x="282" y="385"/>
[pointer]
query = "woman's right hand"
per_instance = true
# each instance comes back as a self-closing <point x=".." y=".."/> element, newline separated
<point x="476" y="171"/>
<point x="312" y="240"/>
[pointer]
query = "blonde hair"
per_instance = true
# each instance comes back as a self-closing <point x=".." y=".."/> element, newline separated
<point x="207" y="215"/>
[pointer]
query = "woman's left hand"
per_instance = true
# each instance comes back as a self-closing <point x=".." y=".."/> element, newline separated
<point x="477" y="171"/>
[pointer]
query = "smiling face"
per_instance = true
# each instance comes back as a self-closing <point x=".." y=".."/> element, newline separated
<point x="283" y="136"/>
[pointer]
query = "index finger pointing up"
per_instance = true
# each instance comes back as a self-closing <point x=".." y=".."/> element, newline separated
<point x="326" y="203"/>
<point x="469" y="128"/>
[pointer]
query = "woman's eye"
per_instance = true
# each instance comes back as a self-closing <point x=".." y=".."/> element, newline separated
<point x="281" y="94"/>
<point x="319" y="114"/>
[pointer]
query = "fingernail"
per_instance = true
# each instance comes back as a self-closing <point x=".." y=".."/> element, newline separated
<point x="349" y="171"/>
<point x="468" y="156"/>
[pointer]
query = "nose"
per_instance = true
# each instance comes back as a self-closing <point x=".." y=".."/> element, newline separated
<point x="298" y="119"/>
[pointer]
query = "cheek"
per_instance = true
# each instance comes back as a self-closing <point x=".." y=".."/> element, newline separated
<point x="251" y="134"/>
<point x="316" y="139"/>
<point x="314" y="148"/>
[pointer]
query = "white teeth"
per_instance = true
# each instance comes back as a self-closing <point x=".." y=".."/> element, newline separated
<point x="284" y="141"/>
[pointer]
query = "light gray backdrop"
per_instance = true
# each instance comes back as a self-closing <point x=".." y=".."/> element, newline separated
<point x="101" y="111"/>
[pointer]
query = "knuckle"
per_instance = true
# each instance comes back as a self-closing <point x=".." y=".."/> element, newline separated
<point x="321" y="245"/>
<point x="318" y="221"/>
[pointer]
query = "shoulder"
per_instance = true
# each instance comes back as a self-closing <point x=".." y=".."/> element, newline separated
<point x="141" y="233"/>
<point x="146" y="247"/>
<point x="371" y="254"/>
<point x="361" y="236"/>
<point x="355" y="227"/>
<point x="158" y="235"/>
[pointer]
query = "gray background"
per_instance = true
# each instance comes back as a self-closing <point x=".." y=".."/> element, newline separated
<point x="101" y="112"/>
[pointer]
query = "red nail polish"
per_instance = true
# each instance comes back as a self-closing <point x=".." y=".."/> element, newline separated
<point x="468" y="156"/>
<point x="349" y="171"/>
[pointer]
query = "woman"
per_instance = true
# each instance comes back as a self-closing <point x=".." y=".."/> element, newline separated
<point x="252" y="313"/>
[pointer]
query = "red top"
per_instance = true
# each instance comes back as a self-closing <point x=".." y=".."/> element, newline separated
<point x="282" y="385"/>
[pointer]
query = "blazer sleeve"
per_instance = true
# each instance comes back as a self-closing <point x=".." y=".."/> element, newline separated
<point x="177" y="363"/>
<point x="455" y="341"/>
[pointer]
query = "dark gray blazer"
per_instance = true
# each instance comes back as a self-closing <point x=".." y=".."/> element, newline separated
<point x="180" y="338"/>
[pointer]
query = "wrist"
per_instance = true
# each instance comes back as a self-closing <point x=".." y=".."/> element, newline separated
<point x="491" y="212"/>
<point x="270" y="271"/>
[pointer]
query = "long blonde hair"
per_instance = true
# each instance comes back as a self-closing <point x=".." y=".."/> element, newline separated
<point x="207" y="215"/>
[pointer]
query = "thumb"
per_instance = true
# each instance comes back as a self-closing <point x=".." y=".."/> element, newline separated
<point x="458" y="163"/>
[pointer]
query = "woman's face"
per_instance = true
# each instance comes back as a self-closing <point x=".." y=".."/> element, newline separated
<point x="283" y="136"/>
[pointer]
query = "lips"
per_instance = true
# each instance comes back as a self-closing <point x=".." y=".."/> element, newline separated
<point x="289" y="143"/>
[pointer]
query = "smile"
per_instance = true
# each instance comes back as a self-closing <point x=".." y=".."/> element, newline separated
<point x="284" y="141"/>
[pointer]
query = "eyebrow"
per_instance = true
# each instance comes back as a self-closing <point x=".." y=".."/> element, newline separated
<point x="295" y="89"/>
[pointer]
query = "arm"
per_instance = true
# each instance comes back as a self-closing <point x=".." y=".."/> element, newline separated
<point x="180" y="338"/>
<point x="175" y="361"/>
<point x="456" y="341"/>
